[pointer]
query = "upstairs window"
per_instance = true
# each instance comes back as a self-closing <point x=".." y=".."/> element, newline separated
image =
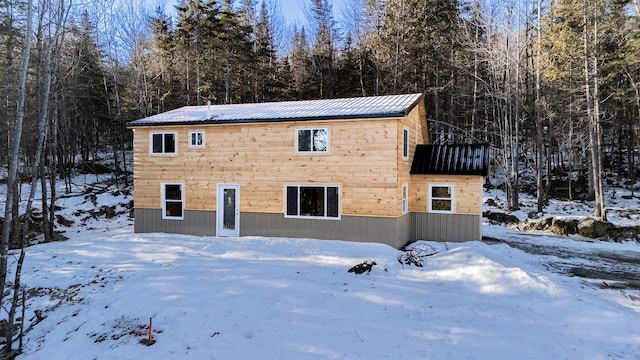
<point x="163" y="143"/>
<point x="441" y="199"/>
<point x="405" y="143"/>
<point x="312" y="140"/>
<point x="173" y="201"/>
<point x="313" y="202"/>
<point x="196" y="139"/>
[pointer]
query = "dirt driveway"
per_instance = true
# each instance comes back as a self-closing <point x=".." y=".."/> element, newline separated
<point x="603" y="268"/>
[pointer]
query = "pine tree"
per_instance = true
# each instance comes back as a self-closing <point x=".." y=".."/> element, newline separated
<point x="86" y="100"/>
<point x="159" y="83"/>
<point x="266" y="86"/>
<point x="237" y="55"/>
<point x="323" y="50"/>
<point x="198" y="25"/>
<point x="300" y="64"/>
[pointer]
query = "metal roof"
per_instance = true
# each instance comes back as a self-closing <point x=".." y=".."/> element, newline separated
<point x="457" y="159"/>
<point x="348" y="108"/>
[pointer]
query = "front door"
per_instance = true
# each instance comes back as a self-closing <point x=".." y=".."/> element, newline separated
<point x="228" y="211"/>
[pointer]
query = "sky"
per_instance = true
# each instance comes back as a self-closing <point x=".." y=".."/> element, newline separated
<point x="294" y="10"/>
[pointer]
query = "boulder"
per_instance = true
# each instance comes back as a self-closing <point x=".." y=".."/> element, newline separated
<point x="535" y="225"/>
<point x="564" y="226"/>
<point x="501" y="218"/>
<point x="593" y="228"/>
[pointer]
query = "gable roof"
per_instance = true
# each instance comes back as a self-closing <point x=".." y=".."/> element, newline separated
<point x="457" y="159"/>
<point x="347" y="108"/>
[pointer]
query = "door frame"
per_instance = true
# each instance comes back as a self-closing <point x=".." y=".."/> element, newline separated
<point x="220" y="231"/>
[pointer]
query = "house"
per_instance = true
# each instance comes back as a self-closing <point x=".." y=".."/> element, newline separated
<point x="358" y="169"/>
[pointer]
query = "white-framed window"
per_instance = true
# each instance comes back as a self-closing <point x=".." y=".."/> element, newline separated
<point x="405" y="198"/>
<point x="312" y="201"/>
<point x="312" y="140"/>
<point x="441" y="198"/>
<point x="163" y="143"/>
<point x="405" y="143"/>
<point x="173" y="200"/>
<point x="196" y="138"/>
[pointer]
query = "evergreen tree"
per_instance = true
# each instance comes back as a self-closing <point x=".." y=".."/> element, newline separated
<point x="300" y="64"/>
<point x="237" y="55"/>
<point x="160" y="81"/>
<point x="323" y="51"/>
<point x="267" y="87"/>
<point x="86" y="99"/>
<point x="349" y="71"/>
<point x="195" y="35"/>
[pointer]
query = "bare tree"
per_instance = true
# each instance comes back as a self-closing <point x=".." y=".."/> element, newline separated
<point x="12" y="183"/>
<point x="538" y="110"/>
<point x="592" y="74"/>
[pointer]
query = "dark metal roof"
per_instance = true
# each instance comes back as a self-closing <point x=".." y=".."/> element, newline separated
<point x="457" y="159"/>
<point x="348" y="108"/>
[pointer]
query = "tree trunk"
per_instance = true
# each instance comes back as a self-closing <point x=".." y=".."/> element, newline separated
<point x="593" y="111"/>
<point x="12" y="183"/>
<point x="539" y="128"/>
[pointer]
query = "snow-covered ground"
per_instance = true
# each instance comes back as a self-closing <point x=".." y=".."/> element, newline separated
<point x="271" y="298"/>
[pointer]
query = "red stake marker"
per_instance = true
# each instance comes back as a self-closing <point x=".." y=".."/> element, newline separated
<point x="150" y="329"/>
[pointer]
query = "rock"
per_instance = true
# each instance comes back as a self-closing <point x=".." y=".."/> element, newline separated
<point x="564" y="226"/>
<point x="531" y="225"/>
<point x="593" y="228"/>
<point x="491" y="202"/>
<point x="501" y="218"/>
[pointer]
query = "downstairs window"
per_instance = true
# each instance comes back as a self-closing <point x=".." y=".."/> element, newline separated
<point x="173" y="201"/>
<point x="313" y="202"/>
<point x="441" y="199"/>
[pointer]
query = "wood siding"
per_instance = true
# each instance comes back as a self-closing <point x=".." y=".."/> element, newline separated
<point x="416" y="123"/>
<point x="364" y="159"/>
<point x="467" y="192"/>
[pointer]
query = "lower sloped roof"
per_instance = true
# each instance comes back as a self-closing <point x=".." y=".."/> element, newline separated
<point x="456" y="159"/>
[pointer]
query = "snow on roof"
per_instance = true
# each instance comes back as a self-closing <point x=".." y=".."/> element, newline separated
<point x="347" y="108"/>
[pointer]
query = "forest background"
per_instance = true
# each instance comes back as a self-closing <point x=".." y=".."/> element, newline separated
<point x="552" y="85"/>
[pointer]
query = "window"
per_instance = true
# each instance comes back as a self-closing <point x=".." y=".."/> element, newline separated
<point x="196" y="139"/>
<point x="405" y="143"/>
<point x="405" y="198"/>
<point x="163" y="143"/>
<point x="313" y="140"/>
<point x="313" y="201"/>
<point x="441" y="198"/>
<point x="173" y="201"/>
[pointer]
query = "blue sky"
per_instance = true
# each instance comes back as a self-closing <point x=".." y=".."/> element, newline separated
<point x="294" y="10"/>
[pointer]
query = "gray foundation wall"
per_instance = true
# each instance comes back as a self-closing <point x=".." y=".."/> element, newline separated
<point x="352" y="228"/>
<point x="395" y="232"/>
<point x="446" y="227"/>
<point x="201" y="223"/>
